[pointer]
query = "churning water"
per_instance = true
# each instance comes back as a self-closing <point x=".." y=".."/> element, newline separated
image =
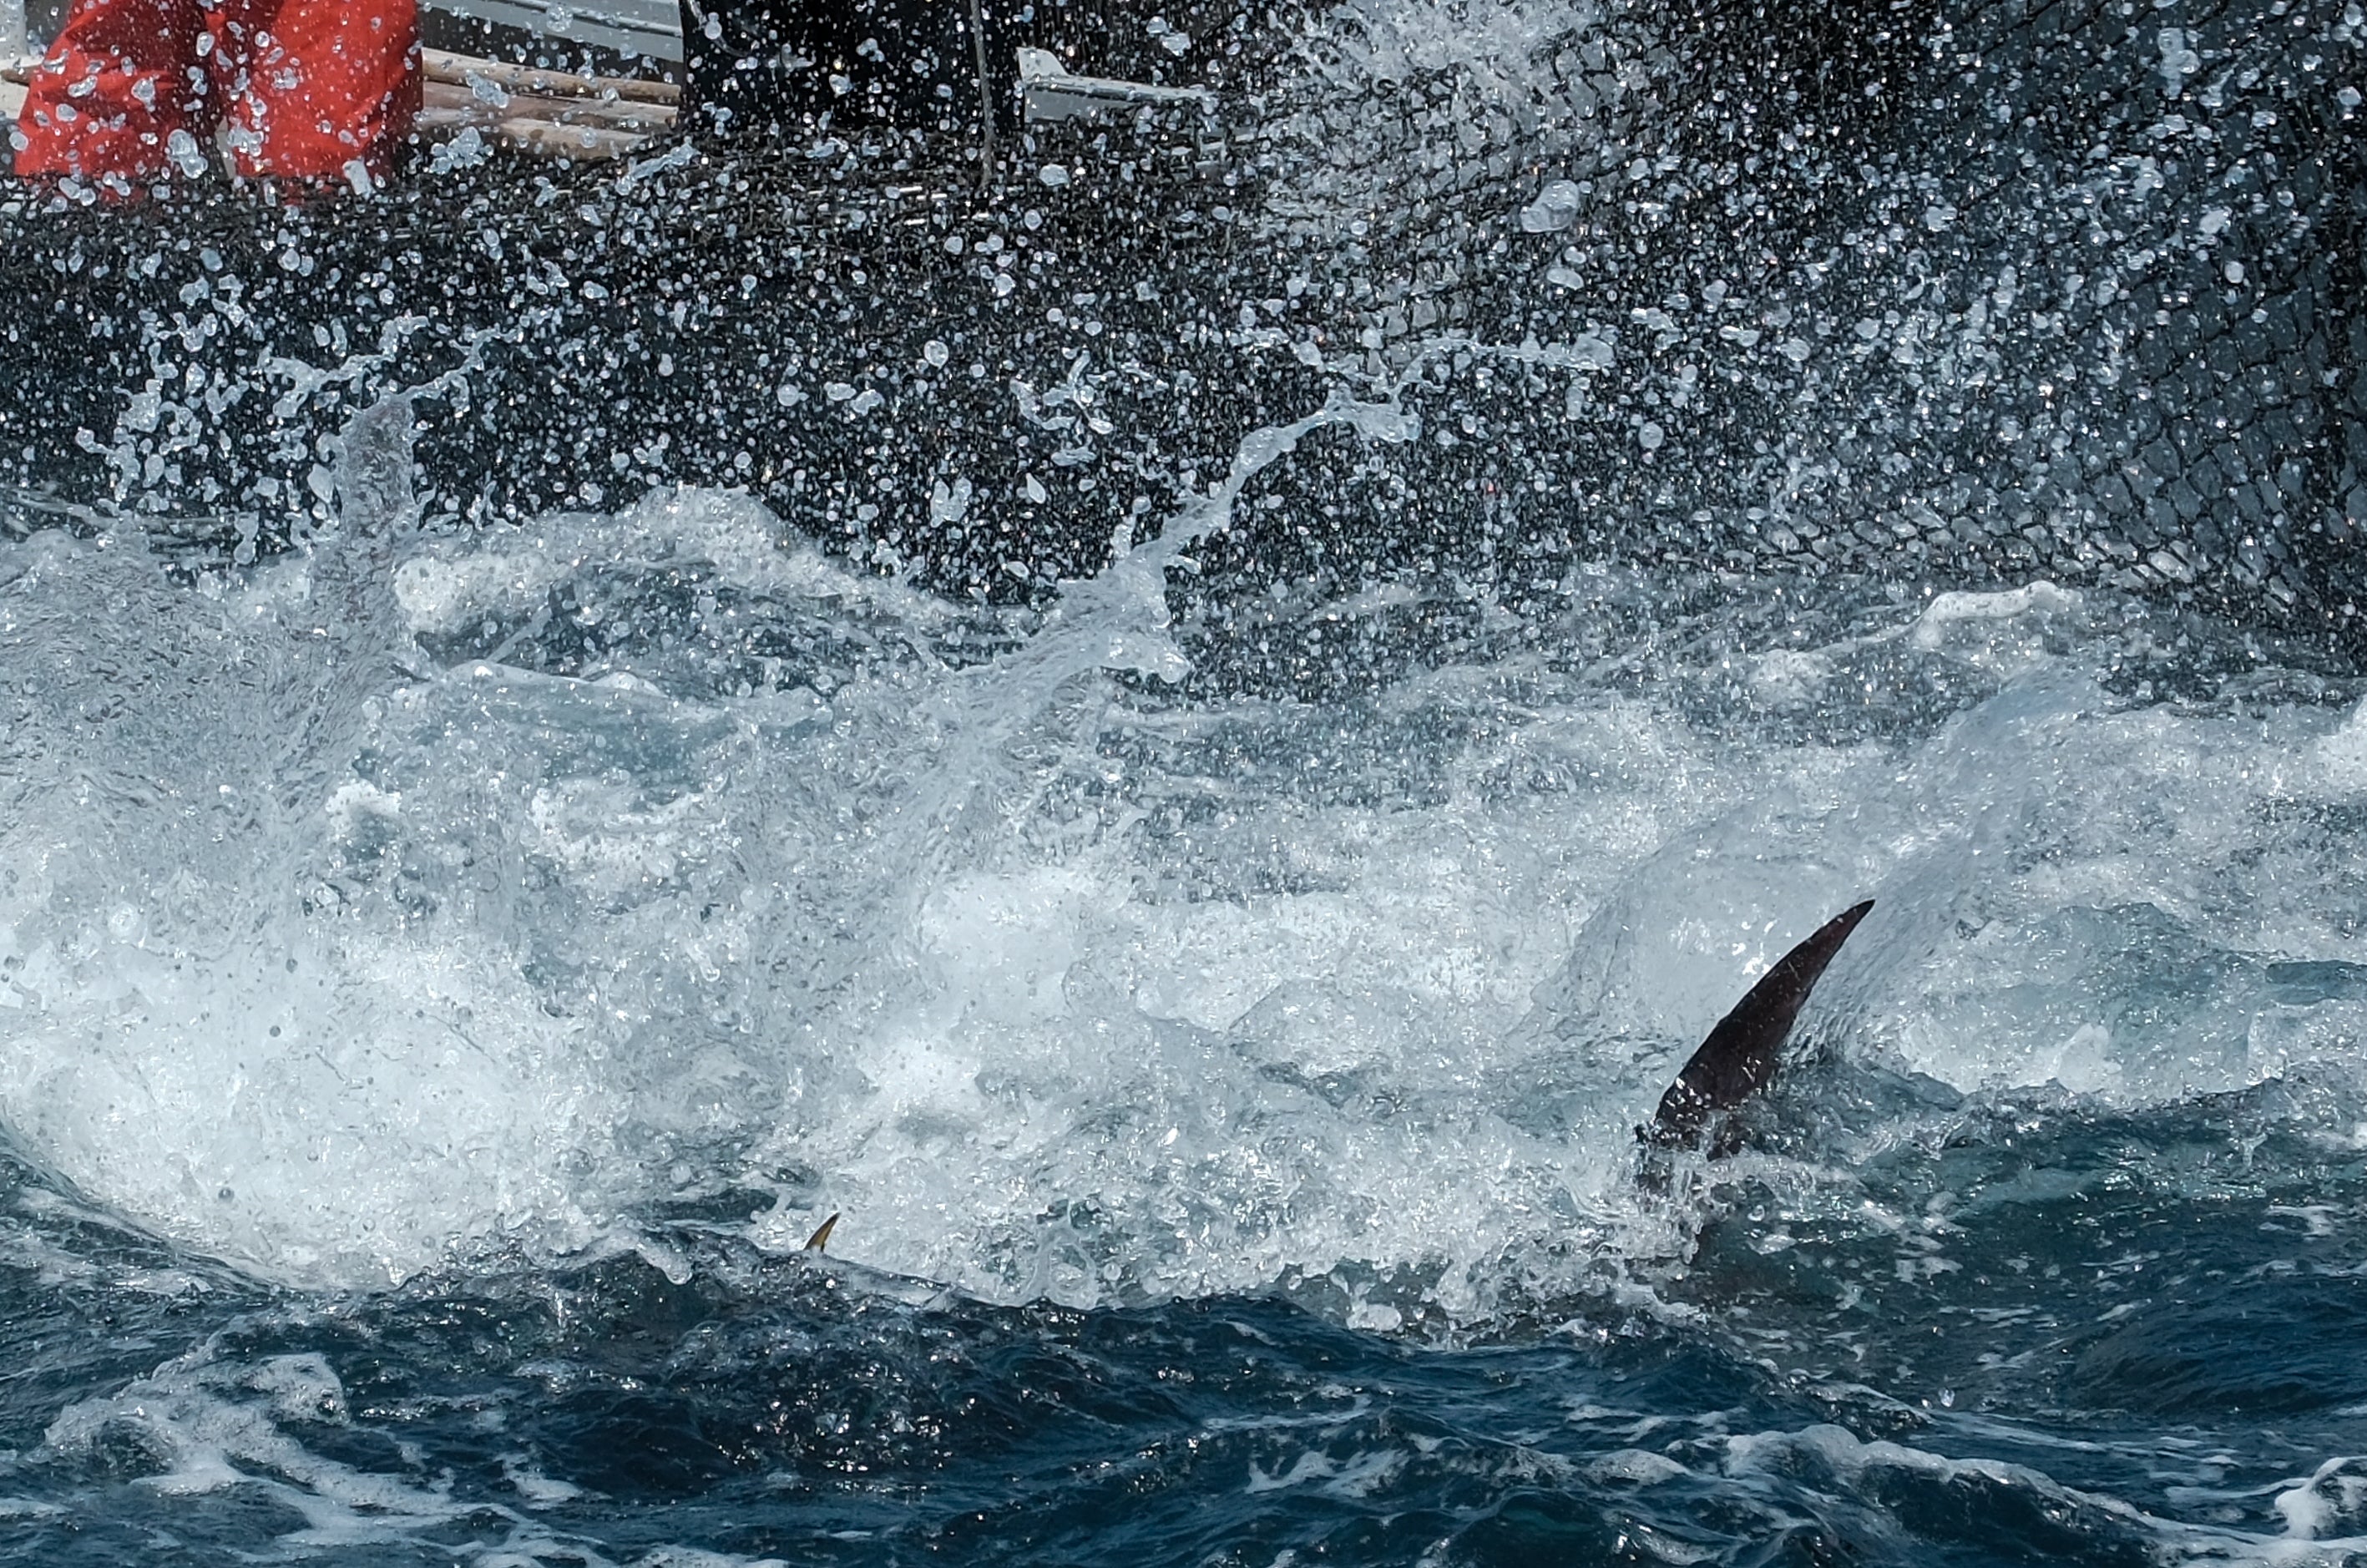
<point x="447" y="970"/>
<point x="421" y="1071"/>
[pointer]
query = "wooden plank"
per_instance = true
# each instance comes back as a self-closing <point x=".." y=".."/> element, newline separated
<point x="577" y="120"/>
<point x="457" y="107"/>
<point x="546" y="138"/>
<point x="573" y="127"/>
<point x="466" y="71"/>
<point x="573" y="143"/>
<point x="567" y="144"/>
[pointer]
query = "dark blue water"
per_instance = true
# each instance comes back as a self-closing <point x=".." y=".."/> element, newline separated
<point x="2085" y="1367"/>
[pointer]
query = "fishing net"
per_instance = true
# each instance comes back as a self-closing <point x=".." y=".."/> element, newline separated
<point x="1882" y="295"/>
<point x="1957" y="295"/>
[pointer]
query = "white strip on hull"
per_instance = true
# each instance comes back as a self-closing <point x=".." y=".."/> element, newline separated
<point x="634" y="26"/>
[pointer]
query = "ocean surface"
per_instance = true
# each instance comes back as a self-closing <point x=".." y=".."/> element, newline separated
<point x="450" y="964"/>
<point x="421" y="1073"/>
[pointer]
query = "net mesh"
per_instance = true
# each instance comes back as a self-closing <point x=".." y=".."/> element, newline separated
<point x="1955" y="295"/>
<point x="1902" y="294"/>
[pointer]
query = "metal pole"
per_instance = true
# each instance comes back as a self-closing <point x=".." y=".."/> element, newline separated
<point x="985" y="95"/>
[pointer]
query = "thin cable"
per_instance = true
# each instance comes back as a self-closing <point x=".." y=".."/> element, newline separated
<point x="985" y="95"/>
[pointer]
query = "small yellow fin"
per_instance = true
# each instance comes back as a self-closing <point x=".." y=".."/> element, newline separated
<point x="820" y="1240"/>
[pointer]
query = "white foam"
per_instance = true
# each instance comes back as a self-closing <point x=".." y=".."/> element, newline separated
<point x="2343" y="755"/>
<point x="216" y="1426"/>
<point x="1789" y="676"/>
<point x="448" y="583"/>
<point x="2004" y="630"/>
<point x="1638" y="1467"/>
<point x="2333" y="1497"/>
<point x="1053" y="991"/>
<point x="1871" y="1467"/>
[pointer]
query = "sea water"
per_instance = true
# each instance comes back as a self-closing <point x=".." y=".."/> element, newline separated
<point x="421" y="1068"/>
<point x="447" y="971"/>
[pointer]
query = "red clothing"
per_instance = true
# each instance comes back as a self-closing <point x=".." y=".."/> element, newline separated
<point x="307" y="87"/>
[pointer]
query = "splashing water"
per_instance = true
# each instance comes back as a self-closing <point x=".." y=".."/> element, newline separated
<point x="447" y="968"/>
<point x="343" y="953"/>
<point x="339" y="961"/>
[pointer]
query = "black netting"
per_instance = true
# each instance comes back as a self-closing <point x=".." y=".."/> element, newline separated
<point x="1872" y="294"/>
<point x="2070" y="290"/>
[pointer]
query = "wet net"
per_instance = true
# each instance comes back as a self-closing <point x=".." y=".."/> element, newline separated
<point x="1894" y="295"/>
<point x="1952" y="294"/>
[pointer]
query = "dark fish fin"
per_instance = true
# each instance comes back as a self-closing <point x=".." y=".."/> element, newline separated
<point x="820" y="1240"/>
<point x="1741" y="1055"/>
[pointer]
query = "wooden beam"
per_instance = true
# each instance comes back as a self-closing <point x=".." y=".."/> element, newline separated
<point x="467" y="70"/>
<point x="552" y="113"/>
<point x="447" y="105"/>
<point x="573" y="143"/>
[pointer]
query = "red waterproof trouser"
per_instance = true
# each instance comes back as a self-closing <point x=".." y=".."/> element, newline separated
<point x="307" y="88"/>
